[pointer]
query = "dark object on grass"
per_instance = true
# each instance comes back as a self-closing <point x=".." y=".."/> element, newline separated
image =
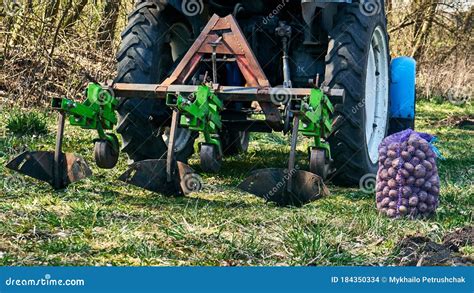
<point x="407" y="180"/>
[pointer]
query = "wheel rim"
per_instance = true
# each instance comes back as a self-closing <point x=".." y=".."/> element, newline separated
<point x="376" y="93"/>
<point x="179" y="43"/>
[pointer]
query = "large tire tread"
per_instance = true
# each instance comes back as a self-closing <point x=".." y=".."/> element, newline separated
<point x="141" y="59"/>
<point x="345" y="65"/>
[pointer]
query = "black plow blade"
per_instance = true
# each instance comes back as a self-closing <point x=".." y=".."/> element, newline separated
<point x="272" y="185"/>
<point x="152" y="176"/>
<point x="40" y="165"/>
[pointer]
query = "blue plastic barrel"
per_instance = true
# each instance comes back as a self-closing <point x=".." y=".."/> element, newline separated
<point x="402" y="88"/>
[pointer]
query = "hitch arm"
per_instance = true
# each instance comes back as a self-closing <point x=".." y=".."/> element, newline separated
<point x="316" y="111"/>
<point x="97" y="112"/>
<point x="200" y="112"/>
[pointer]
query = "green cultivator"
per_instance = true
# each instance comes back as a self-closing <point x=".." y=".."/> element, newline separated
<point x="217" y="89"/>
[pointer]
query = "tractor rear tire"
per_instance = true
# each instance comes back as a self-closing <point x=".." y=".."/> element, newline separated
<point x="358" y="42"/>
<point x="146" y="57"/>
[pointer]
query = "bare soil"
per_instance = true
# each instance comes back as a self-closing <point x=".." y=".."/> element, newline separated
<point x="421" y="251"/>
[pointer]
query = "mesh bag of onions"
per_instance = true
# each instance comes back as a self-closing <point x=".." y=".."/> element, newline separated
<point x="407" y="179"/>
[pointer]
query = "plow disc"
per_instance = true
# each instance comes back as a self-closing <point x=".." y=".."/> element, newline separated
<point x="41" y="166"/>
<point x="295" y="188"/>
<point x="152" y="175"/>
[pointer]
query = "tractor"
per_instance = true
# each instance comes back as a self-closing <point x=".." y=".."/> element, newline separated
<point x="315" y="68"/>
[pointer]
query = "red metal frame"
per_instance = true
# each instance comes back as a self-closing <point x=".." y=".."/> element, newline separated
<point x="233" y="45"/>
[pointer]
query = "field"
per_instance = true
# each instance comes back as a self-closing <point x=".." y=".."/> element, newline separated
<point x="102" y="221"/>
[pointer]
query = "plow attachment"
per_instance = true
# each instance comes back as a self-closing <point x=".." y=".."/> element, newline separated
<point x="41" y="166"/>
<point x="56" y="168"/>
<point x="152" y="176"/>
<point x="202" y="105"/>
<point x="169" y="177"/>
<point x="274" y="185"/>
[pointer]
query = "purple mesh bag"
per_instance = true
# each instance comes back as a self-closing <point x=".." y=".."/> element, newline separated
<point x="407" y="179"/>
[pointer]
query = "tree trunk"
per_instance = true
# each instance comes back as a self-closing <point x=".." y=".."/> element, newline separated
<point x="110" y="16"/>
<point x="425" y="30"/>
<point x="72" y="18"/>
<point x="52" y="10"/>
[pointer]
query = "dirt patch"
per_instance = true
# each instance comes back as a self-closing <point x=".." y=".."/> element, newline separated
<point x="463" y="122"/>
<point x="459" y="238"/>
<point x="421" y="251"/>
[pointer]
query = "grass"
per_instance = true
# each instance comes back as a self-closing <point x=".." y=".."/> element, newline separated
<point x="101" y="221"/>
<point x="26" y="123"/>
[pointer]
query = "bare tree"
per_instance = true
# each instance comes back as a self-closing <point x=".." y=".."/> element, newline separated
<point x="108" y="24"/>
<point x="74" y="17"/>
<point x="426" y="18"/>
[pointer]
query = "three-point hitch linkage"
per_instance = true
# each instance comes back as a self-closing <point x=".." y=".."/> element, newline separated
<point x="199" y="108"/>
